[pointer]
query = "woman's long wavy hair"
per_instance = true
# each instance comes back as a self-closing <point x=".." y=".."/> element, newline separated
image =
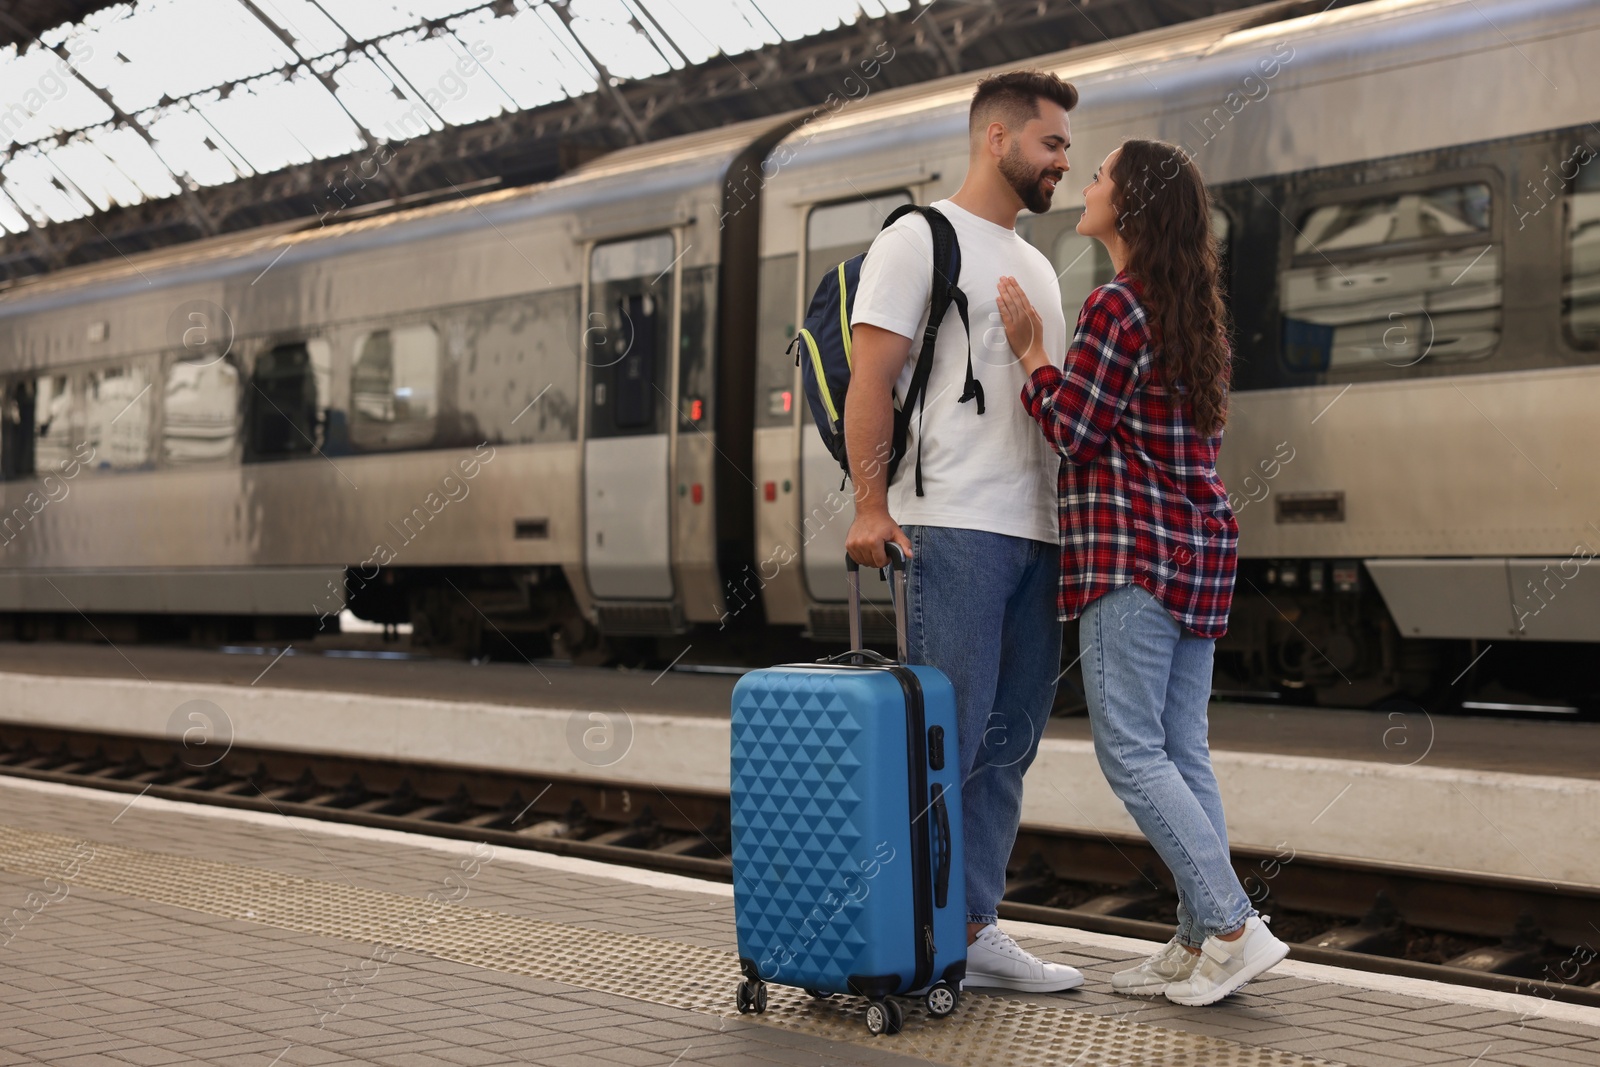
<point x="1164" y="216"/>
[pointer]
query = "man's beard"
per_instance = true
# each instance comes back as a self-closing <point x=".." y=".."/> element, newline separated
<point x="1027" y="182"/>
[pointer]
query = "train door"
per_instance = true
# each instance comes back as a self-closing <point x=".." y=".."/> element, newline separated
<point x="629" y="338"/>
<point x="834" y="233"/>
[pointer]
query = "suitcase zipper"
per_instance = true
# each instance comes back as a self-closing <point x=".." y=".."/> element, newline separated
<point x="921" y="860"/>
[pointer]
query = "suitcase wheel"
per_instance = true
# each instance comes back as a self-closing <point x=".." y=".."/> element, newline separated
<point x="941" y="1000"/>
<point x="884" y="1017"/>
<point x="752" y="997"/>
<point x="817" y="994"/>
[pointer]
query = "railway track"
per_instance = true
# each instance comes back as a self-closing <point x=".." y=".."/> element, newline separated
<point x="1509" y="934"/>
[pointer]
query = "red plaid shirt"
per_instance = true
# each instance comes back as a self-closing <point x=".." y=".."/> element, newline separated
<point x="1140" y="497"/>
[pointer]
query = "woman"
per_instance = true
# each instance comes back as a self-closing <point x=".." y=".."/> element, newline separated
<point x="1149" y="543"/>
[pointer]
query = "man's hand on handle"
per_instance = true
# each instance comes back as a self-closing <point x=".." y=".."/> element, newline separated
<point x="868" y="534"/>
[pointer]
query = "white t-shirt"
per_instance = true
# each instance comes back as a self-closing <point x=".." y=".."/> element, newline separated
<point x="995" y="471"/>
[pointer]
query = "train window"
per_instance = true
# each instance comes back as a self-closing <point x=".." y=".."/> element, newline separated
<point x="1386" y="281"/>
<point x="521" y="377"/>
<point x="1222" y="237"/>
<point x="517" y="379"/>
<point x="16" y="430"/>
<point x="628" y="335"/>
<point x="332" y="434"/>
<point x="57" y="422"/>
<point x="394" y="383"/>
<point x="775" y="329"/>
<point x="200" y="411"/>
<point x="282" y="407"/>
<point x="1221" y="230"/>
<point x="1581" y="296"/>
<point x="117" y="417"/>
<point x="1450" y="211"/>
<point x="836" y="232"/>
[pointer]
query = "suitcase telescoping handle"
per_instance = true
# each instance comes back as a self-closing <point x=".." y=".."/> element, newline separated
<point x="897" y="593"/>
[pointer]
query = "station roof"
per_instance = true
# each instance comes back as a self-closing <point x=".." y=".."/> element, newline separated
<point x="133" y="125"/>
<point x="107" y="105"/>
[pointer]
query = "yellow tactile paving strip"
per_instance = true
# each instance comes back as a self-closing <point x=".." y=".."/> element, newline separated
<point x="984" y="1029"/>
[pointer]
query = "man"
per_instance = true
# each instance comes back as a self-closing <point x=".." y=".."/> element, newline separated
<point x="982" y="537"/>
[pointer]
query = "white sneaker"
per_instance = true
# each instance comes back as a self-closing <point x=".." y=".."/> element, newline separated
<point x="993" y="959"/>
<point x="1173" y="963"/>
<point x="1227" y="965"/>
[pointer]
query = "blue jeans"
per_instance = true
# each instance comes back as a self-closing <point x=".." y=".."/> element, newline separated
<point x="1147" y="681"/>
<point x="982" y="609"/>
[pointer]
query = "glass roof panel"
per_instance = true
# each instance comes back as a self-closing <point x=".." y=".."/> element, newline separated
<point x="192" y="149"/>
<point x="449" y="78"/>
<point x="314" y="33"/>
<point x="12" y="220"/>
<point x="43" y="96"/>
<point x="41" y="190"/>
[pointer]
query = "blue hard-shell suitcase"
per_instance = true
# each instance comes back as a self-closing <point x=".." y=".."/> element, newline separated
<point x="846" y="800"/>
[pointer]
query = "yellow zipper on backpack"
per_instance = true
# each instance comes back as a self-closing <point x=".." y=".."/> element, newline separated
<point x="822" y="379"/>
<point x="844" y="320"/>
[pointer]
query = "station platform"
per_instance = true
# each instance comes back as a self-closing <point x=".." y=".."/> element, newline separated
<point x="1489" y="796"/>
<point x="147" y="931"/>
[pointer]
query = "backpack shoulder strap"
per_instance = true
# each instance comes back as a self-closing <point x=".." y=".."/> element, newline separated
<point x="945" y="291"/>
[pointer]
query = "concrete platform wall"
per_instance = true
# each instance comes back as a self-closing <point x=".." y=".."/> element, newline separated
<point x="1490" y="822"/>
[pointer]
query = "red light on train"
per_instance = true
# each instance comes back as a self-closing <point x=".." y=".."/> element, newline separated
<point x="788" y="402"/>
<point x="770" y="490"/>
<point x="697" y="409"/>
<point x="696" y="493"/>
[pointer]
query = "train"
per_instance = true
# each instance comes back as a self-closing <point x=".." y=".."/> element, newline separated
<point x="567" y="414"/>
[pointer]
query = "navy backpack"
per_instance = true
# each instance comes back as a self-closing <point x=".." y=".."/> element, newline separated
<point x="822" y="348"/>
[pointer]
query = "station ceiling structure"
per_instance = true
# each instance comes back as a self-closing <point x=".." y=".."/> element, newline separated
<point x="132" y="125"/>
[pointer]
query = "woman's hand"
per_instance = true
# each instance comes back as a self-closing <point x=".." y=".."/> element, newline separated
<point x="1024" y="327"/>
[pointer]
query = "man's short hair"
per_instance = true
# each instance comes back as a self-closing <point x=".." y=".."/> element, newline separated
<point x="1013" y="98"/>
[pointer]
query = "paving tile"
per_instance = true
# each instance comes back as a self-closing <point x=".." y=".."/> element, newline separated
<point x="1359" y="1058"/>
<point x="647" y="1032"/>
<point x="1553" y="1057"/>
<point x="1405" y="1054"/>
<point x="636" y="1057"/>
<point x="1394" y="1000"/>
<point x="1440" y="1013"/>
<point x="148" y="1055"/>
<point x="1399" y="1027"/>
<point x="310" y="1056"/>
<point x="416" y="1059"/>
<point x="1472" y="1044"/>
<point x="469" y="1057"/>
<point x="1361" y="1029"/>
<point x="57" y="1028"/>
<point x="1559" y="1026"/>
<point x="1526" y="1032"/>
